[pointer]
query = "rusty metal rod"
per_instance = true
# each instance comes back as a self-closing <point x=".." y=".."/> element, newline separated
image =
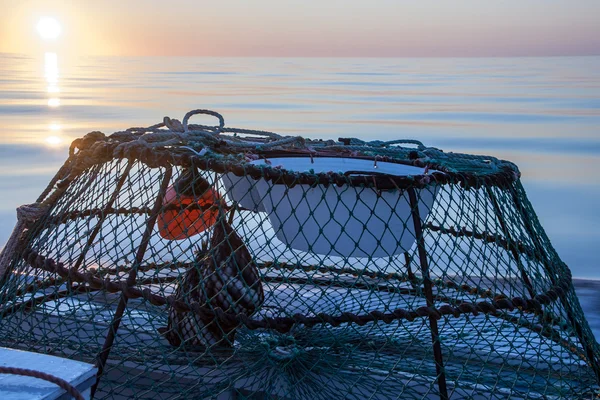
<point x="427" y="283"/>
<point x="114" y="327"/>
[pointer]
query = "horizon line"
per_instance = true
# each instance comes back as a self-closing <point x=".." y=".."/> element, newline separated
<point x="308" y="56"/>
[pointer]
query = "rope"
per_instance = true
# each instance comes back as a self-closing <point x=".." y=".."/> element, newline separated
<point x="26" y="215"/>
<point x="30" y="213"/>
<point x="207" y="112"/>
<point x="70" y="389"/>
<point x="220" y="139"/>
<point x="285" y="324"/>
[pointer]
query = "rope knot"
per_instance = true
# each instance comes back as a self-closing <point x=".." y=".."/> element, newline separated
<point x="87" y="141"/>
<point x="131" y="149"/>
<point x="173" y="124"/>
<point x="30" y="213"/>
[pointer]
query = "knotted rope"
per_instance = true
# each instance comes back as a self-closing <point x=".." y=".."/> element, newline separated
<point x="176" y="136"/>
<point x="29" y="214"/>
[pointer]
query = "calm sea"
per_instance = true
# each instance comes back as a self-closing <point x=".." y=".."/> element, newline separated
<point x="541" y="113"/>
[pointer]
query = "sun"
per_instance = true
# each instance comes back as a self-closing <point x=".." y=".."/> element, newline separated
<point x="48" y="28"/>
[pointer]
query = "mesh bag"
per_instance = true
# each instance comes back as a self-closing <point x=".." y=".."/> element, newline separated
<point x="193" y="261"/>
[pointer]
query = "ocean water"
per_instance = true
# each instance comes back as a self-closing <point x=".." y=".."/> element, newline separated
<point x="541" y="113"/>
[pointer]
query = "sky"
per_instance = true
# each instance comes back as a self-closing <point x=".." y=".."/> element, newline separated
<point x="307" y="28"/>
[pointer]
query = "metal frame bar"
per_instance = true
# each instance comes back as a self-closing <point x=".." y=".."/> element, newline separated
<point x="131" y="279"/>
<point x="104" y="214"/>
<point x="593" y="361"/>
<point x="427" y="283"/>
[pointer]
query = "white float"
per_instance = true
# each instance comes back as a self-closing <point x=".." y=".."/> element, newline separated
<point x="342" y="221"/>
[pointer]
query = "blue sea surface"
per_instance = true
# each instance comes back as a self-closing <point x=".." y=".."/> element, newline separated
<point x="541" y="113"/>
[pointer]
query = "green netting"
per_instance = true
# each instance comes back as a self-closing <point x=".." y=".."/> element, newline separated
<point x="190" y="261"/>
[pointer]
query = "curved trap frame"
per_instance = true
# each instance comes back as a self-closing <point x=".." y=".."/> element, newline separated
<point x="437" y="283"/>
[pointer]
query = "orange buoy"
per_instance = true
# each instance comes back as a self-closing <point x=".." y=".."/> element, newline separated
<point x="187" y="200"/>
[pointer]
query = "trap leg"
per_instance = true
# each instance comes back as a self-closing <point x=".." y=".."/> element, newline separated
<point x="114" y="327"/>
<point x="587" y="346"/>
<point x="437" y="348"/>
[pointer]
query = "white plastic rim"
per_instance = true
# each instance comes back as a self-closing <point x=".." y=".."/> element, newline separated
<point x="243" y="191"/>
<point x="339" y="164"/>
<point x="343" y="221"/>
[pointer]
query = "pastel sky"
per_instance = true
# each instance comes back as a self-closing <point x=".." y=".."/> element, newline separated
<point x="379" y="28"/>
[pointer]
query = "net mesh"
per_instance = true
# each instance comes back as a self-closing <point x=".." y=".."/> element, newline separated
<point x="190" y="261"/>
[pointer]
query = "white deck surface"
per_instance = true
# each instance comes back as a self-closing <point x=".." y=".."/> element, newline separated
<point x="16" y="387"/>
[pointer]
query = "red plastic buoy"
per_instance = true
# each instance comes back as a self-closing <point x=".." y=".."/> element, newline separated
<point x="183" y="221"/>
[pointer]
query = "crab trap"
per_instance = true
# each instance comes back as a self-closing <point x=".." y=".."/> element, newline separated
<point x="195" y="261"/>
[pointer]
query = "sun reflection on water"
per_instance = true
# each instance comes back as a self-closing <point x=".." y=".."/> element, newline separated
<point x="53" y="138"/>
<point x="53" y="102"/>
<point x="51" y="75"/>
